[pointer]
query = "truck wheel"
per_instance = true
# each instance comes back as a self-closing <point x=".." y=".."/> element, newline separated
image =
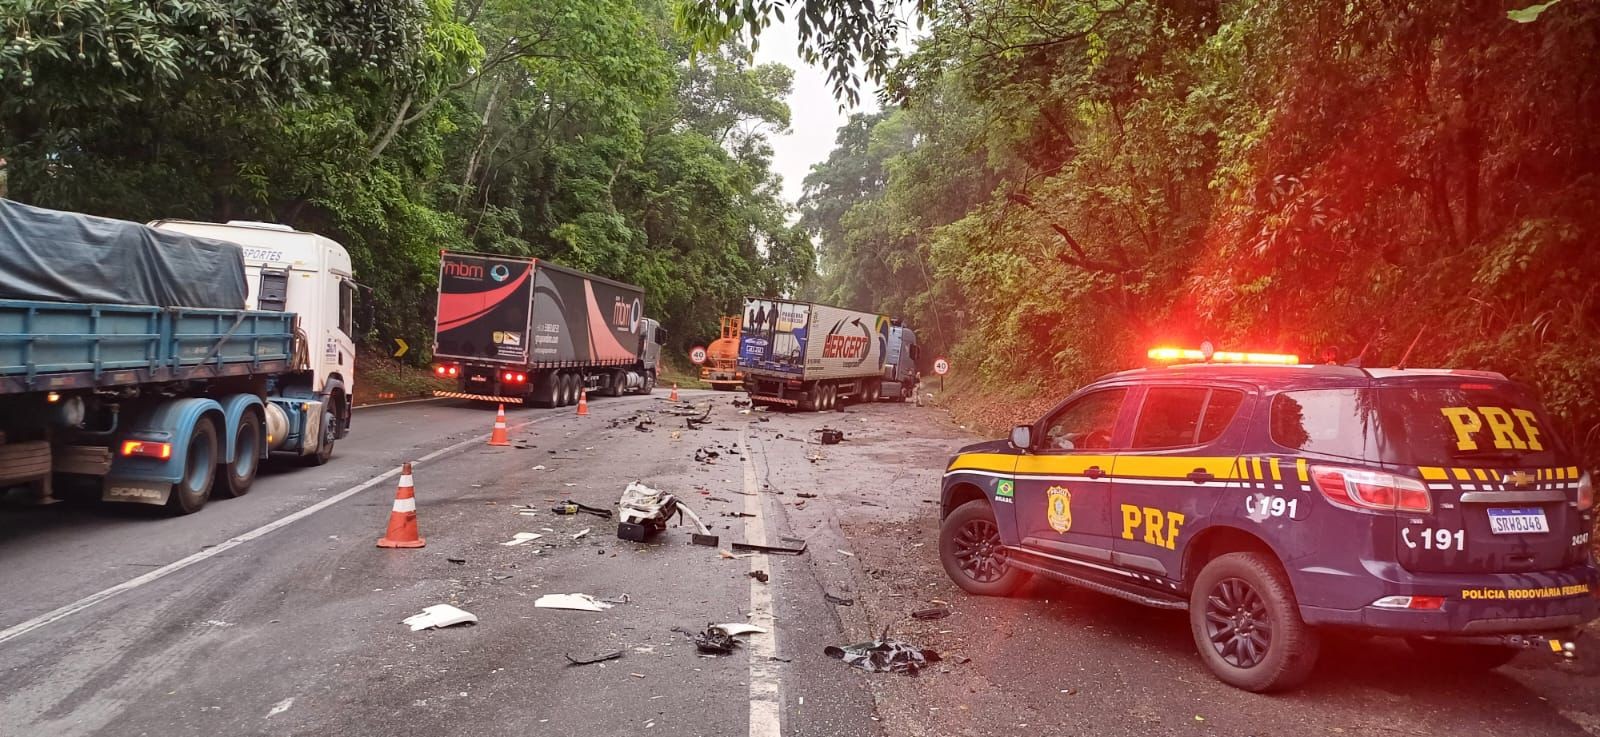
<point x="1461" y="656"/>
<point x="199" y="471"/>
<point x="239" y="474"/>
<point x="972" y="554"/>
<point x="649" y="383"/>
<point x="569" y="393"/>
<point x="325" y="448"/>
<point x="546" y="389"/>
<point x="1247" y="625"/>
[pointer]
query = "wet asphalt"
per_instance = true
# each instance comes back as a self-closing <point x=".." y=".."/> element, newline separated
<point x="298" y="632"/>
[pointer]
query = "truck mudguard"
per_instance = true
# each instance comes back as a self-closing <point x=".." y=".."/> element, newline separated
<point x="233" y="408"/>
<point x="170" y="422"/>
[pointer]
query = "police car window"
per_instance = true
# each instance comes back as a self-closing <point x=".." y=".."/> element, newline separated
<point x="1220" y="409"/>
<point x="1338" y="422"/>
<point x="1170" y="416"/>
<point x="1085" y="424"/>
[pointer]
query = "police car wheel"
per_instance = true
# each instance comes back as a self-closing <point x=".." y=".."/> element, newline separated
<point x="1247" y="626"/>
<point x="1461" y="656"/>
<point x="972" y="555"/>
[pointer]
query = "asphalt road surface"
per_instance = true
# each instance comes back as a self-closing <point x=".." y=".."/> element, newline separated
<point x="275" y="614"/>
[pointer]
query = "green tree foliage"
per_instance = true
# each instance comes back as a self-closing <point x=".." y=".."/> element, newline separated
<point x="579" y="131"/>
<point x="1086" y="179"/>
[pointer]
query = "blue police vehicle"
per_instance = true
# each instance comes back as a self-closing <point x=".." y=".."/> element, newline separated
<point x="1276" y="502"/>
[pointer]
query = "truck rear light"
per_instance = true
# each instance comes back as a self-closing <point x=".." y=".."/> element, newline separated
<point x="1586" y="492"/>
<point x="521" y="378"/>
<point x="1425" y="603"/>
<point x="1349" y="487"/>
<point x="452" y="371"/>
<point x="439" y="370"/>
<point x="147" y="449"/>
<point x="508" y="376"/>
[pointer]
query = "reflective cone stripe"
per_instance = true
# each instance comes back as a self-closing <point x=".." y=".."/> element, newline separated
<point x="499" y="435"/>
<point x="583" y="402"/>
<point x="402" y="531"/>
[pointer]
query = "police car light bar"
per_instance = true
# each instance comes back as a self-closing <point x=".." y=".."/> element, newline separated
<point x="1191" y="354"/>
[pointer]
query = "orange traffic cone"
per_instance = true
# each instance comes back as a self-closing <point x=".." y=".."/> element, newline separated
<point x="403" y="518"/>
<point x="583" y="402"/>
<point x="674" y="396"/>
<point x="499" y="435"/>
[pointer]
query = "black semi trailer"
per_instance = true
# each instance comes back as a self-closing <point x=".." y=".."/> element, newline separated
<point x="518" y="330"/>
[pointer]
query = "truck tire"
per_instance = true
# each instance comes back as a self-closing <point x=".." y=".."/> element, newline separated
<point x="545" y="389"/>
<point x="240" y="473"/>
<point x="649" y="383"/>
<point x="192" y="491"/>
<point x="325" y="448"/>
<point x="972" y="555"/>
<point x="569" y="390"/>
<point x="1246" y="624"/>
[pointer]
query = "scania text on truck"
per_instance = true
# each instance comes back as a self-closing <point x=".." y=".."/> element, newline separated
<point x="164" y="363"/>
<point x="813" y="356"/>
<point x="521" y="330"/>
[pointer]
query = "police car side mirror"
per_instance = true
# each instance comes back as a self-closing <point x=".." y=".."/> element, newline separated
<point x="1022" y="437"/>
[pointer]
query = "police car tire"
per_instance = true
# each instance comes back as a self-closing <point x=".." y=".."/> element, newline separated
<point x="977" y="510"/>
<point x="1292" y="651"/>
<point x="1461" y="656"/>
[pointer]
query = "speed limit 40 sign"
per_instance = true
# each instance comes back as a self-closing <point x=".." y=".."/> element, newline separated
<point x="941" y="366"/>
<point x="697" y="354"/>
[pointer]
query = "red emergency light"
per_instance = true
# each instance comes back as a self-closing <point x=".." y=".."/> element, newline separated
<point x="1205" y="354"/>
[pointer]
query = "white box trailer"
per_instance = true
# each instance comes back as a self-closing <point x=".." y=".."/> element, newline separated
<point x="811" y="356"/>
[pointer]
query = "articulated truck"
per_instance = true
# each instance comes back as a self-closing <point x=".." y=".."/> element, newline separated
<point x="162" y="363"/>
<point x="813" y="356"/>
<point x="520" y="330"/>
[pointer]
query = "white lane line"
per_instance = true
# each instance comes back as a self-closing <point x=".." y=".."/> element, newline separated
<point x="18" y="630"/>
<point x="398" y="402"/>
<point x="765" y="697"/>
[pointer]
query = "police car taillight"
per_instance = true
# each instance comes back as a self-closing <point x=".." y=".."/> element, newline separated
<point x="1349" y="487"/>
<point x="1585" y="491"/>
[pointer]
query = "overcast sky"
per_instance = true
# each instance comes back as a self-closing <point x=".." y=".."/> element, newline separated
<point x="814" y="114"/>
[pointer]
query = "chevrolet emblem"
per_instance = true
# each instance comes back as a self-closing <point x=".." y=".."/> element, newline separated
<point x="1519" y="479"/>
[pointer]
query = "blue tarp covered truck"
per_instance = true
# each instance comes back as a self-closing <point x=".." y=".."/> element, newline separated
<point x="155" y="364"/>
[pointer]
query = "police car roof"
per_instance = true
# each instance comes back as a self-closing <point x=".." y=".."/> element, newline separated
<point x="1277" y="376"/>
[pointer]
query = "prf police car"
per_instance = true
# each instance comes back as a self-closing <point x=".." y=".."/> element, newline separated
<point x="1273" y="502"/>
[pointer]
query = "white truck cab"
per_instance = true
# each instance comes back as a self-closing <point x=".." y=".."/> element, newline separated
<point x="304" y="273"/>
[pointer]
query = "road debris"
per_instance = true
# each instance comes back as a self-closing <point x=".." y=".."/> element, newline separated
<point x="575" y="602"/>
<point x="840" y="600"/>
<point x="718" y="639"/>
<point x="773" y="549"/>
<point x="938" y="612"/>
<point x="522" y="538"/>
<point x="805" y="495"/>
<point x="457" y="561"/>
<point x="760" y="576"/>
<point x="883" y="655"/>
<point x="439" y="615"/>
<point x="569" y="507"/>
<point x="646" y="511"/>
<point x="592" y="659"/>
<point x="581" y="534"/>
<point x="830" y="436"/>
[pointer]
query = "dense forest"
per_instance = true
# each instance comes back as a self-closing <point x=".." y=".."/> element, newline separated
<point x="576" y="130"/>
<point x="1054" y="187"/>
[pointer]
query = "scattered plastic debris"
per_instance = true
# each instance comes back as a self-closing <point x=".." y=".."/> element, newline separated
<point x="592" y="659"/>
<point x="522" y="538"/>
<point x="579" y="535"/>
<point x="457" y="561"/>
<point x="840" y="600"/>
<point x="537" y="468"/>
<point x="734" y="629"/>
<point x="576" y="602"/>
<point x="718" y="639"/>
<point x="439" y="615"/>
<point x="883" y="655"/>
<point x="569" y="507"/>
<point x="773" y="549"/>
<point x="938" y="612"/>
<point x="646" y="511"/>
<point x="805" y="495"/>
<point x="760" y="576"/>
<point x="830" y="436"/>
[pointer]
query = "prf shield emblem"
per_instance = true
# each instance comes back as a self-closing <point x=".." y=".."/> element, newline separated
<point x="1518" y="479"/>
<point x="1059" y="514"/>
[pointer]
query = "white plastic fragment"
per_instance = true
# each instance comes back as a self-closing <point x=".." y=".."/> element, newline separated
<point x="581" y="533"/>
<point x="439" y="615"/>
<point x="522" y="538"/>
<point x="538" y="468"/>
<point x="577" y="602"/>
<point x="734" y="629"/>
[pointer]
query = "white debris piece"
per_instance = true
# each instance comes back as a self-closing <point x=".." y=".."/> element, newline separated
<point x="734" y="629"/>
<point x="578" y="602"/>
<point x="522" y="538"/>
<point x="580" y="534"/>
<point x="538" y="468"/>
<point x="281" y="706"/>
<point x="439" y="615"/>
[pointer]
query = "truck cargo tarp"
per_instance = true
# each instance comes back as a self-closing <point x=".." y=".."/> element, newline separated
<point x="68" y="257"/>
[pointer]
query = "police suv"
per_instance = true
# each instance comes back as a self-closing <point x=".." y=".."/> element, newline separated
<point x="1276" y="501"/>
